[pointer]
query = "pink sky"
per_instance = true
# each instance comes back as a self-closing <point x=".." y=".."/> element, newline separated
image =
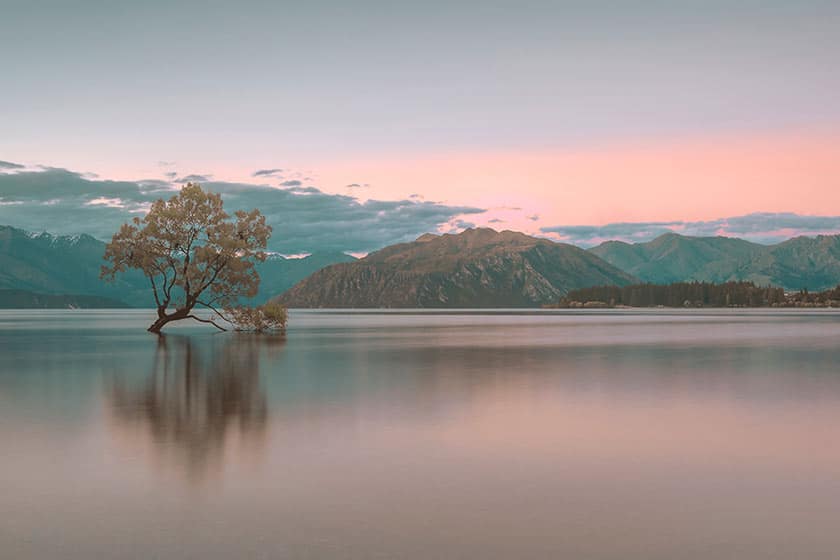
<point x="689" y="179"/>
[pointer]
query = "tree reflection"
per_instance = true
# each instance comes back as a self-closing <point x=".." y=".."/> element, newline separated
<point x="191" y="406"/>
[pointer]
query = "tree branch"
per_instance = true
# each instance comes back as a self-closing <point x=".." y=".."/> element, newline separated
<point x="216" y="311"/>
<point x="154" y="290"/>
<point x="210" y="266"/>
<point x="212" y="279"/>
<point x="174" y="277"/>
<point x="164" y="283"/>
<point x="200" y="320"/>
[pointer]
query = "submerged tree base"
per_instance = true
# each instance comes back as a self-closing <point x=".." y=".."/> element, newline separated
<point x="271" y="317"/>
<point x="164" y="319"/>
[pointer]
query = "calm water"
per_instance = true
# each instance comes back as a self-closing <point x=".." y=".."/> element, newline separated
<point x="598" y="435"/>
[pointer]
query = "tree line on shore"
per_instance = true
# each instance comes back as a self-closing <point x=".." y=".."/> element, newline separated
<point x="697" y="294"/>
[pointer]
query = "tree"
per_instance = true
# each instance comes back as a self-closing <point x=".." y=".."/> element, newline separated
<point x="193" y="253"/>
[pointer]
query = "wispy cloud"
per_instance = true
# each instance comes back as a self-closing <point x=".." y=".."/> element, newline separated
<point x="194" y="179"/>
<point x="462" y="224"/>
<point x="760" y="227"/>
<point x="99" y="201"/>
<point x="267" y="172"/>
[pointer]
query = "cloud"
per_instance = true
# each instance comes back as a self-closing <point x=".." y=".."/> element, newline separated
<point x="99" y="201"/>
<point x="305" y="219"/>
<point x="171" y="175"/>
<point x="194" y="179"/>
<point x="291" y="183"/>
<point x="304" y="190"/>
<point x="761" y="223"/>
<point x="760" y="227"/>
<point x="155" y="185"/>
<point x="10" y="165"/>
<point x="357" y="185"/>
<point x="67" y="203"/>
<point x="533" y="217"/>
<point x="266" y="172"/>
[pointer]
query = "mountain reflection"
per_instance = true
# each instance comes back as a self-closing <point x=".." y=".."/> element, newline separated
<point x="195" y="403"/>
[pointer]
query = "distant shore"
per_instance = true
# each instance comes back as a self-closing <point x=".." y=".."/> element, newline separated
<point x="736" y="294"/>
<point x="603" y="305"/>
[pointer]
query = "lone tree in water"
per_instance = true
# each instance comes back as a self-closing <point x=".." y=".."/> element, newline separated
<point x="194" y="254"/>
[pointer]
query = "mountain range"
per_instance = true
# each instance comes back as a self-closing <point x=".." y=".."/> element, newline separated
<point x="800" y="262"/>
<point x="44" y="264"/>
<point x="475" y="268"/>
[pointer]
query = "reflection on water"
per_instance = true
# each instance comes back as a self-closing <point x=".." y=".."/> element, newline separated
<point x="190" y="403"/>
<point x="494" y="435"/>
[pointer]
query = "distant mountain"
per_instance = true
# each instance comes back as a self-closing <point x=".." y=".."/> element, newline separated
<point x="57" y="265"/>
<point x="802" y="262"/>
<point x="48" y="264"/>
<point x="676" y="258"/>
<point x="278" y="274"/>
<point x="22" y="299"/>
<point x="476" y="268"/>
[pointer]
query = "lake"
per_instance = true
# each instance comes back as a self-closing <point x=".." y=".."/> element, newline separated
<point x="699" y="434"/>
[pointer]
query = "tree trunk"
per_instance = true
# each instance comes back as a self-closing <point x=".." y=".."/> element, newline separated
<point x="163" y="319"/>
<point x="158" y="325"/>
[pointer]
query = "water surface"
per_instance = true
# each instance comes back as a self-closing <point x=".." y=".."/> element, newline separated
<point x="419" y="435"/>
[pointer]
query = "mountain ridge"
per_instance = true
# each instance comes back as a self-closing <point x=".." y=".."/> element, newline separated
<point x="478" y="267"/>
<point x="56" y="265"/>
<point x="799" y="262"/>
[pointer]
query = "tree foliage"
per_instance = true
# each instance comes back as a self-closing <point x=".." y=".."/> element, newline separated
<point x="193" y="253"/>
<point x="265" y="318"/>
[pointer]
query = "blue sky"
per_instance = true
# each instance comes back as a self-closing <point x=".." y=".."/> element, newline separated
<point x="318" y="79"/>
